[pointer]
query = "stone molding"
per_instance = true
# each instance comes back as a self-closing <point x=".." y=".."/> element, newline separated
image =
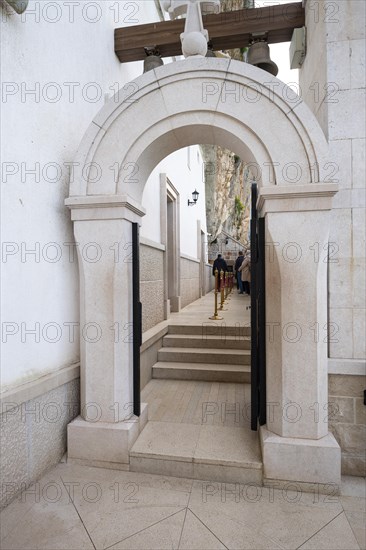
<point x="172" y="191"/>
<point x="40" y="386"/>
<point x="151" y="336"/>
<point x="351" y="367"/>
<point x="297" y="198"/>
<point x="152" y="244"/>
<point x="170" y="223"/>
<point x="189" y="258"/>
<point x="104" y="207"/>
<point x="52" y="380"/>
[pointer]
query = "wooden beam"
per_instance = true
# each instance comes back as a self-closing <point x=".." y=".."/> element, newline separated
<point x="227" y="30"/>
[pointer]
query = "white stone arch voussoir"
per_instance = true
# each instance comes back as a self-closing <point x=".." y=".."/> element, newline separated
<point x="218" y="101"/>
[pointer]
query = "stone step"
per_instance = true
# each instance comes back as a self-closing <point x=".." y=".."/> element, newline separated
<point x="198" y="451"/>
<point x="213" y="328"/>
<point x="198" y="355"/>
<point x="206" y="341"/>
<point x="202" y="371"/>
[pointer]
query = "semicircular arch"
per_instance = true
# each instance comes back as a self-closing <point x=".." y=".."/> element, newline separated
<point x="209" y="101"/>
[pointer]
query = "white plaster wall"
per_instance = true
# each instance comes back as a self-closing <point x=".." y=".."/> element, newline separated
<point x="184" y="169"/>
<point x="51" y="43"/>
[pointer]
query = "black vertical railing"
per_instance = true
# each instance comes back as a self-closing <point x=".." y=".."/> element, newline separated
<point x="137" y="318"/>
<point x="261" y="289"/>
<point x="253" y="311"/>
<point x="258" y="316"/>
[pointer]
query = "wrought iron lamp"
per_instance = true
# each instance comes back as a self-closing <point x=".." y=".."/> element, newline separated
<point x="195" y="196"/>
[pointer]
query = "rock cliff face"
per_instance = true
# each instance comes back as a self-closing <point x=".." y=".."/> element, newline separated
<point x="226" y="177"/>
<point x="227" y="183"/>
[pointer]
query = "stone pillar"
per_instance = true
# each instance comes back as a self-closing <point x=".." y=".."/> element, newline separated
<point x="170" y="223"/>
<point x="201" y="278"/>
<point x="296" y="444"/>
<point x="106" y="428"/>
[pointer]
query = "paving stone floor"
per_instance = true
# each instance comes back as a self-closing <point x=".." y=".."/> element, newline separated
<point x="76" y="507"/>
<point x="236" y="311"/>
<point x="199" y="430"/>
<point x="198" y="402"/>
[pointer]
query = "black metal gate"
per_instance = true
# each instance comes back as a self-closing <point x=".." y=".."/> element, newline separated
<point x="258" y="316"/>
<point x="137" y="318"/>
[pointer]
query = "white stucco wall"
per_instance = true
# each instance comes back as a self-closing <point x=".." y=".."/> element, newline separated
<point x="186" y="177"/>
<point x="64" y="52"/>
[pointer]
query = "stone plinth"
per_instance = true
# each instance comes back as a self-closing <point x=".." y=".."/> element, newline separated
<point x="302" y="461"/>
<point x="104" y="443"/>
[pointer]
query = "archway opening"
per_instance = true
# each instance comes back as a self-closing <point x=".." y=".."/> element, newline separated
<point x="216" y="223"/>
<point x="217" y="102"/>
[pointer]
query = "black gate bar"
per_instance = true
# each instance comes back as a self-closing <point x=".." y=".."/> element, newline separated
<point x="253" y="311"/>
<point x="136" y="318"/>
<point x="262" y="322"/>
<point x="258" y="316"/>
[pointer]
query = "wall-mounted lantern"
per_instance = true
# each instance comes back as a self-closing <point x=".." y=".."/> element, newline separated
<point x="195" y="196"/>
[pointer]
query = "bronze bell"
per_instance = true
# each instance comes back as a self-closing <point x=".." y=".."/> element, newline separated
<point x="259" y="56"/>
<point x="210" y="52"/>
<point x="18" y="5"/>
<point x="153" y="59"/>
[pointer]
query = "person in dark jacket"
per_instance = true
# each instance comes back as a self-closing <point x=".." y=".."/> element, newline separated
<point x="239" y="282"/>
<point x="219" y="264"/>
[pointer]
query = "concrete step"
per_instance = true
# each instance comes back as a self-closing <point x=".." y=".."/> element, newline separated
<point x="198" y="355"/>
<point x="206" y="452"/>
<point x="206" y="341"/>
<point x="211" y="328"/>
<point x="202" y="371"/>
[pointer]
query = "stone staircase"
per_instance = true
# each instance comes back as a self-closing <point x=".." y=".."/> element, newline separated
<point x="209" y="353"/>
<point x="200" y="366"/>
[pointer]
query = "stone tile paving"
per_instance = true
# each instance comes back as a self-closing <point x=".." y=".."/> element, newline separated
<point x="77" y="507"/>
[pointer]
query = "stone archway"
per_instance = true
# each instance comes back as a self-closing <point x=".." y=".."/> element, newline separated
<point x="242" y="108"/>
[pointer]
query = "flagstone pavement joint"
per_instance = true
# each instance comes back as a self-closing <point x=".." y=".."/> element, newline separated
<point x="77" y="507"/>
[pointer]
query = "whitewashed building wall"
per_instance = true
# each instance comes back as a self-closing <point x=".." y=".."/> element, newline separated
<point x="58" y="69"/>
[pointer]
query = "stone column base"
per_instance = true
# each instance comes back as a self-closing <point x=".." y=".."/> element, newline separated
<point x="167" y="309"/>
<point x="175" y="304"/>
<point x="104" y="444"/>
<point x="305" y="462"/>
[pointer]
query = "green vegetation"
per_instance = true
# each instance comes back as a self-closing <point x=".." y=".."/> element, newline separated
<point x="239" y="206"/>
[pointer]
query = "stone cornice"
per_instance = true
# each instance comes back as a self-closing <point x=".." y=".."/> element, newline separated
<point x="104" y="207"/>
<point x="317" y="196"/>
